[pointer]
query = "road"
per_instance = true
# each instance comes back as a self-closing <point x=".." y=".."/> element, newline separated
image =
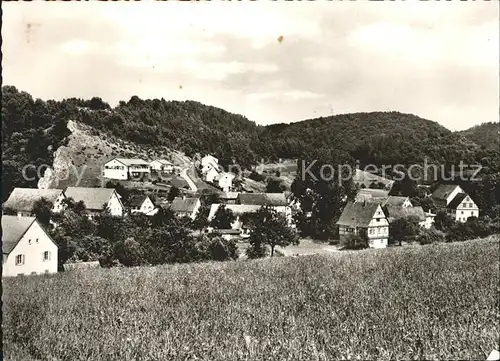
<point x="189" y="181"/>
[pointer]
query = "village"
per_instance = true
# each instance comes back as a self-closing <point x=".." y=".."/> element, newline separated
<point x="28" y="248"/>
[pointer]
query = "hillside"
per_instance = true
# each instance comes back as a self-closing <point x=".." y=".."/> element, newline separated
<point x="33" y="130"/>
<point x="436" y="302"/>
<point x="485" y="135"/>
<point x="371" y="138"/>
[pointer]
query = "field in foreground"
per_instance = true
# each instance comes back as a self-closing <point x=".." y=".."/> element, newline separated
<point x="431" y="302"/>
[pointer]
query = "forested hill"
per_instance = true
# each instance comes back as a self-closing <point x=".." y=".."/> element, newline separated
<point x="33" y="129"/>
<point x="377" y="137"/>
<point x="486" y="135"/>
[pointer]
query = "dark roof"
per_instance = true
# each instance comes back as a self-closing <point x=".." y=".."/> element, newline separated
<point x="358" y="214"/>
<point x="137" y="201"/>
<point x="13" y="228"/>
<point x="443" y="191"/>
<point x="229" y="195"/>
<point x="23" y="199"/>
<point x="263" y="199"/>
<point x="131" y="161"/>
<point x="397" y="212"/>
<point x="184" y="205"/>
<point x="457" y="200"/>
<point x="94" y="198"/>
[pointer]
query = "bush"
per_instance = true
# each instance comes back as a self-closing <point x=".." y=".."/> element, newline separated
<point x="256" y="176"/>
<point x="429" y="236"/>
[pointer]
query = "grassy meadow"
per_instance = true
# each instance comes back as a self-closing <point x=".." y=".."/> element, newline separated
<point x="430" y="302"/>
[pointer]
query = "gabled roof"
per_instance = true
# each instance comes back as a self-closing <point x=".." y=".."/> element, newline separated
<point x="130" y="161"/>
<point x="457" y="200"/>
<point x="184" y="205"/>
<point x="358" y="214"/>
<point x="237" y="209"/>
<point x="397" y="212"/>
<point x="443" y="191"/>
<point x="263" y="199"/>
<point x="137" y="201"/>
<point x="23" y="199"/>
<point x="13" y="229"/>
<point x="361" y="176"/>
<point x="94" y="198"/>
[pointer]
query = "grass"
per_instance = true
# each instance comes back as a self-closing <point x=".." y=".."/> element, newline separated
<point x="431" y="302"/>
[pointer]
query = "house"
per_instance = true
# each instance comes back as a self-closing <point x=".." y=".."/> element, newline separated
<point x="26" y="247"/>
<point x="210" y="174"/>
<point x="227" y="234"/>
<point x="444" y="194"/>
<point x="22" y="200"/>
<point x="278" y="201"/>
<point x="429" y="219"/>
<point x="208" y="160"/>
<point x="399" y="201"/>
<point x="142" y="204"/>
<point x="394" y="212"/>
<point x="238" y="211"/>
<point x="364" y="220"/>
<point x="229" y="197"/>
<point x="124" y="168"/>
<point x="96" y="199"/>
<point x="161" y="165"/>
<point x="226" y="181"/>
<point x="455" y="202"/>
<point x="462" y="207"/>
<point x="366" y="179"/>
<point x="186" y="206"/>
<point x="368" y="194"/>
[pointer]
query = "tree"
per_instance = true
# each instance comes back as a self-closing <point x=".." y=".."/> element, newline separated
<point x="223" y="218"/>
<point x="403" y="229"/>
<point x="94" y="248"/>
<point x="274" y="186"/>
<point x="201" y="220"/>
<point x="271" y="228"/>
<point x="42" y="209"/>
<point x="443" y="222"/>
<point x="174" y="192"/>
<point x="429" y="236"/>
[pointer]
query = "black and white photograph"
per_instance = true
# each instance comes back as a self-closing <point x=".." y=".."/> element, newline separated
<point x="250" y="180"/>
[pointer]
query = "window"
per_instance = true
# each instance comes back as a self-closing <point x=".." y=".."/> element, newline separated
<point x="37" y="240"/>
<point x="462" y="212"/>
<point x="378" y="219"/>
<point x="19" y="259"/>
<point x="46" y="256"/>
<point x="29" y="241"/>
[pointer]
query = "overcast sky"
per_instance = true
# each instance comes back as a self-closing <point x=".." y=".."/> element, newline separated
<point x="270" y="61"/>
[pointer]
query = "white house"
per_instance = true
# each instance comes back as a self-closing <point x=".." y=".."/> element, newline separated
<point x="26" y="247"/>
<point x="211" y="174"/>
<point x="364" y="220"/>
<point x="237" y="209"/>
<point x="226" y="181"/>
<point x="462" y="207"/>
<point x="22" y="200"/>
<point x="208" y="160"/>
<point x="124" y="168"/>
<point x="186" y="206"/>
<point x="142" y="204"/>
<point x="277" y="201"/>
<point x="161" y="165"/>
<point x="455" y="202"/>
<point x="96" y="199"/>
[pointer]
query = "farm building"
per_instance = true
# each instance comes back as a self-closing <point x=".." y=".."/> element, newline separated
<point x="185" y="206"/>
<point x="455" y="202"/>
<point x="97" y="199"/>
<point x="364" y="220"/>
<point x="26" y="247"/>
<point x="22" y="200"/>
<point x="124" y="168"/>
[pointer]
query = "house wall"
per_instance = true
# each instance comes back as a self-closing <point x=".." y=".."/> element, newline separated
<point x="464" y="210"/>
<point x="208" y="159"/>
<point x="226" y="182"/>
<point x="429" y="221"/>
<point x="33" y="254"/>
<point x="211" y="175"/>
<point x="115" y="170"/>
<point x="115" y="206"/>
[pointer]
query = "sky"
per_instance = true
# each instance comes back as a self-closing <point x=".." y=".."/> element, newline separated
<point x="273" y="62"/>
